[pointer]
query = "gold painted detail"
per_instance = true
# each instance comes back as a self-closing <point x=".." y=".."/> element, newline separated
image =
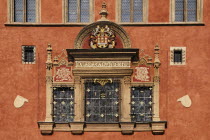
<point x="81" y="64"/>
<point x="103" y="81"/>
<point x="102" y="37"/>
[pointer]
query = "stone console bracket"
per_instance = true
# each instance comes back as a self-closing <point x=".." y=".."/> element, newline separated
<point x="126" y="128"/>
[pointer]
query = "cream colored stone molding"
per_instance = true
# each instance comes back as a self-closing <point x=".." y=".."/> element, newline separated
<point x="23" y="55"/>
<point x="172" y="49"/>
<point x="118" y="30"/>
<point x="49" y="80"/>
<point x="125" y="99"/>
<point x="101" y="64"/>
<point x="126" y="128"/>
<point x="156" y="81"/>
<point x="19" y="101"/>
<point x="10" y="10"/>
<point x="145" y="12"/>
<point x="65" y="11"/>
<point x="199" y="11"/>
<point x="185" y="101"/>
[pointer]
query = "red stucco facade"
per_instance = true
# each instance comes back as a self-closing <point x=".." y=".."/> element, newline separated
<point x="176" y="81"/>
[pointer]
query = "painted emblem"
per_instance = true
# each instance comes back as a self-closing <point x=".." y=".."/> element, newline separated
<point x="63" y="74"/>
<point x="141" y="74"/>
<point x="102" y="37"/>
<point x="19" y="101"/>
<point x="185" y="101"/>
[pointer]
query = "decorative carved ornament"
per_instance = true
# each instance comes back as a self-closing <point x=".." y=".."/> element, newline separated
<point x="80" y="64"/>
<point x="102" y="37"/>
<point x="141" y="74"/>
<point x="142" y="69"/>
<point x="103" y="81"/>
<point x="62" y="71"/>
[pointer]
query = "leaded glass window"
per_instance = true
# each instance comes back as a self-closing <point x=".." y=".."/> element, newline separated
<point x="28" y="54"/>
<point x="24" y="10"/>
<point x="102" y="101"/>
<point x="185" y="10"/>
<point x="63" y="104"/>
<point x="141" y="104"/>
<point x="78" y="11"/>
<point x="132" y="10"/>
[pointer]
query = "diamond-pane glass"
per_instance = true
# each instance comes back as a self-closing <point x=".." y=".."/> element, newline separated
<point x="18" y="11"/>
<point x="63" y="104"/>
<point x="138" y="11"/>
<point x="125" y="10"/>
<point x="84" y="10"/>
<point x="179" y="10"/>
<point x="30" y="10"/>
<point x="192" y="10"/>
<point x="102" y="102"/>
<point x="72" y="10"/>
<point x="141" y="104"/>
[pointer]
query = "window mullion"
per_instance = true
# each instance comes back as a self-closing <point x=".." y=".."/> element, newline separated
<point x="78" y="10"/>
<point x="24" y="10"/>
<point x="132" y="8"/>
<point x="185" y="10"/>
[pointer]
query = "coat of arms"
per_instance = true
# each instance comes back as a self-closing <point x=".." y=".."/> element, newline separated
<point x="102" y="37"/>
<point x="142" y="74"/>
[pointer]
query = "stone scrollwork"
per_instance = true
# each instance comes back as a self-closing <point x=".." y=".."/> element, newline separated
<point x="103" y="81"/>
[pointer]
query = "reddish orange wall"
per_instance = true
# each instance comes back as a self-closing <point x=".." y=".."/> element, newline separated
<point x="176" y="81"/>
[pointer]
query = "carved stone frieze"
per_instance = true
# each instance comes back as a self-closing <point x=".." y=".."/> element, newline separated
<point x="81" y="64"/>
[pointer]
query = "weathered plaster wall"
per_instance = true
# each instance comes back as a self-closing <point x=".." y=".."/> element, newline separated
<point x="176" y="81"/>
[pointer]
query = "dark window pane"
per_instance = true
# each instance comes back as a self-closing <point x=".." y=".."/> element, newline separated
<point x="84" y="10"/>
<point x="63" y="104"/>
<point x="72" y="11"/>
<point x="125" y="11"/>
<point x="28" y="54"/>
<point x="141" y="104"/>
<point x="192" y="10"/>
<point x="177" y="55"/>
<point x="138" y="11"/>
<point x="179" y="10"/>
<point x="102" y="102"/>
<point x="30" y="10"/>
<point x="18" y="11"/>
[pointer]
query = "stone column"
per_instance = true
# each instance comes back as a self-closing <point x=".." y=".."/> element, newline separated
<point x="49" y="79"/>
<point x="125" y="122"/>
<point x="156" y="80"/>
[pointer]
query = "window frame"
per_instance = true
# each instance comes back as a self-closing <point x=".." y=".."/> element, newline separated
<point x="23" y="54"/>
<point x="65" y="13"/>
<point x="199" y="11"/>
<point x="11" y="12"/>
<point x="145" y="12"/>
<point x="172" y="50"/>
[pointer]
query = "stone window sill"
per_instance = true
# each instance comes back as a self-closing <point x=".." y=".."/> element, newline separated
<point x="164" y="24"/>
<point x="122" y="24"/>
<point x="126" y="128"/>
<point x="46" y="24"/>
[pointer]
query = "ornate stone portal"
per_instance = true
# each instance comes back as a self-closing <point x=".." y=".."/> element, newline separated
<point x="92" y="74"/>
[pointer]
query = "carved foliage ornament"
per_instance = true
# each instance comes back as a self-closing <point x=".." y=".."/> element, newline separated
<point x="102" y="37"/>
